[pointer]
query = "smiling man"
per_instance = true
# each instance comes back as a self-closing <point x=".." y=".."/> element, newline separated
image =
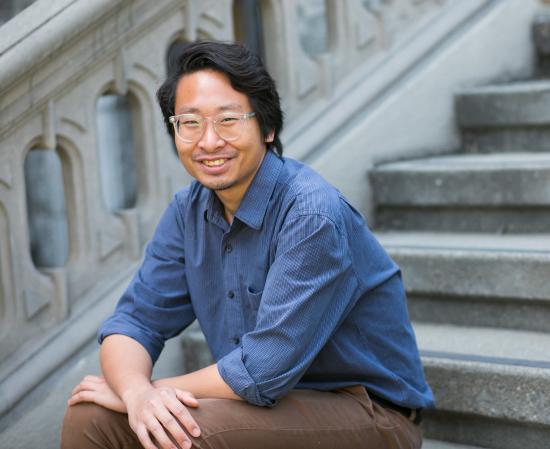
<point x="304" y="312"/>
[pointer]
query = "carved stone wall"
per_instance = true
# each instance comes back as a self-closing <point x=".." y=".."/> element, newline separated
<point x="310" y="55"/>
<point x="48" y="100"/>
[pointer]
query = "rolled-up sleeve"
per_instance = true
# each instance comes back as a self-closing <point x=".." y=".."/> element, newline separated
<point x="310" y="288"/>
<point x="156" y="304"/>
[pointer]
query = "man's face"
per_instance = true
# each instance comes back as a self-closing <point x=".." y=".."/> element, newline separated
<point x="226" y="167"/>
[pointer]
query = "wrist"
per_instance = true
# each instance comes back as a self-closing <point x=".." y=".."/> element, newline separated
<point x="134" y="390"/>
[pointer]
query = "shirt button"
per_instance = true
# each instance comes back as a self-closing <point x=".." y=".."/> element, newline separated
<point x="236" y="340"/>
<point x="231" y="294"/>
<point x="228" y="248"/>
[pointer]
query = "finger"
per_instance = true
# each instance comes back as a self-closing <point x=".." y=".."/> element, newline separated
<point x="187" y="398"/>
<point x="157" y="430"/>
<point x="92" y="378"/>
<point x="170" y="423"/>
<point x="83" y="396"/>
<point x="84" y="385"/>
<point x="182" y="415"/>
<point x="144" y="438"/>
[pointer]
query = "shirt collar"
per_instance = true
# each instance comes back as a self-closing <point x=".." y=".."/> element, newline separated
<point x="253" y="207"/>
<point x="256" y="199"/>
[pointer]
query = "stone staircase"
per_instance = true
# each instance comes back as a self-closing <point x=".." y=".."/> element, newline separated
<point x="471" y="232"/>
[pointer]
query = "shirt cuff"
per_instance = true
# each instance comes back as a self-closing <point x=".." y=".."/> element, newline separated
<point x="111" y="327"/>
<point x="235" y="374"/>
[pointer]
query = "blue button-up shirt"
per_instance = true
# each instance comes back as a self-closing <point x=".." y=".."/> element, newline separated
<point x="295" y="293"/>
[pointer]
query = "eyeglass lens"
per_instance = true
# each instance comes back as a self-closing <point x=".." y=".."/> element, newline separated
<point x="190" y="128"/>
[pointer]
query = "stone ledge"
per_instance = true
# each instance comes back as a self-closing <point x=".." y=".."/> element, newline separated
<point x="46" y="33"/>
<point x="511" y="267"/>
<point x="492" y="390"/>
<point x="498" y="180"/>
<point x="514" y="104"/>
<point x="437" y="444"/>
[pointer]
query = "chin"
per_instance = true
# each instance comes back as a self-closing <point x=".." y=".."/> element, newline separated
<point x="217" y="185"/>
<point x="222" y="186"/>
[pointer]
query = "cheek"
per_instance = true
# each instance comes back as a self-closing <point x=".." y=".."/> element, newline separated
<point x="184" y="155"/>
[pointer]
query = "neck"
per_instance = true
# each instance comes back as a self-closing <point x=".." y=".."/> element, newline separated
<point x="230" y="201"/>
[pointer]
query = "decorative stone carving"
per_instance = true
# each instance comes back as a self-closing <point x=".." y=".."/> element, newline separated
<point x="215" y="19"/>
<point x="6" y="298"/>
<point x="34" y="302"/>
<point x="49" y="125"/>
<point x="120" y="72"/>
<point x="398" y="16"/>
<point x="108" y="243"/>
<point x="6" y="173"/>
<point x="312" y="25"/>
<point x="541" y="38"/>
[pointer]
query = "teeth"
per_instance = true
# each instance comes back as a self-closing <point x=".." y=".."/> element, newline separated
<point x="215" y="163"/>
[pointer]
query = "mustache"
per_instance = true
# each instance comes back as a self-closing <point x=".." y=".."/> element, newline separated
<point x="209" y="156"/>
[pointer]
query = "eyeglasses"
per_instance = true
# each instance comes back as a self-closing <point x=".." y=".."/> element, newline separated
<point x="228" y="125"/>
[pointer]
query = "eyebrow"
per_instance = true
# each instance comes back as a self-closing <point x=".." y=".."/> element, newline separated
<point x="223" y="108"/>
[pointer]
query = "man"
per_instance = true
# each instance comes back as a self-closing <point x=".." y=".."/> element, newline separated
<point x="303" y="311"/>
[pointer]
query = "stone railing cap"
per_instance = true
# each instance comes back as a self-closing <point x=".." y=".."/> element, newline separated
<point x="41" y="29"/>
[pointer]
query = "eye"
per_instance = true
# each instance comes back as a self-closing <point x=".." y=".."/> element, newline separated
<point x="228" y="120"/>
<point x="189" y="123"/>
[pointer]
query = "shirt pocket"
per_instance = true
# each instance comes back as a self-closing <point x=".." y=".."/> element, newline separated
<point x="251" y="305"/>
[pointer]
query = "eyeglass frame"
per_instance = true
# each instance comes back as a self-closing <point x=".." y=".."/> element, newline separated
<point x="174" y="119"/>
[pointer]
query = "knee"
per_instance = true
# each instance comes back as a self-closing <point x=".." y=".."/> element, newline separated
<point x="85" y="423"/>
<point x="84" y="415"/>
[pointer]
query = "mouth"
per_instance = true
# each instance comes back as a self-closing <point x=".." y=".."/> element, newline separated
<point x="214" y="163"/>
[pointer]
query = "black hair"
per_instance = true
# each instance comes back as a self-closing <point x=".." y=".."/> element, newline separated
<point x="245" y="72"/>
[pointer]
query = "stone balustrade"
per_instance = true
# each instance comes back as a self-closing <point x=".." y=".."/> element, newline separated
<point x="86" y="166"/>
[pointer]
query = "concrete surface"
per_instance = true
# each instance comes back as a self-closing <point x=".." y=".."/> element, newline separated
<point x="36" y="420"/>
<point x="501" y="220"/>
<point x="503" y="266"/>
<point x="436" y="444"/>
<point x="441" y="308"/>
<point x="481" y="342"/>
<point x="509" y="140"/>
<point x="494" y="405"/>
<point x="517" y="179"/>
<point x="511" y="104"/>
<point x="502" y="192"/>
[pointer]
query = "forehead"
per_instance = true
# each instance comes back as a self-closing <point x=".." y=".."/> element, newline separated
<point x="206" y="92"/>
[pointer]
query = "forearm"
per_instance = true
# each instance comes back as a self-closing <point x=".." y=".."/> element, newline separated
<point x="204" y="383"/>
<point x="126" y="364"/>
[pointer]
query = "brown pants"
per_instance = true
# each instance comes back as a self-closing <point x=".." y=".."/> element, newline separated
<point x="342" y="419"/>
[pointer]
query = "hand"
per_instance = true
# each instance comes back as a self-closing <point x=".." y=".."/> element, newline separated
<point x="157" y="409"/>
<point x="95" y="389"/>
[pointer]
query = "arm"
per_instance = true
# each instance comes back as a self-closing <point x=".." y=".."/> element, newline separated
<point x="204" y="383"/>
<point x="127" y="367"/>
<point x="155" y="307"/>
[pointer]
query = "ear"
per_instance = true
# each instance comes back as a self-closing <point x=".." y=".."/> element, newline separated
<point x="270" y="136"/>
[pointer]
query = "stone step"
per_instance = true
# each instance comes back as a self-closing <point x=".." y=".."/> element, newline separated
<point x="475" y="279"/>
<point x="438" y="444"/>
<point x="506" y="117"/>
<point x="491" y="385"/>
<point x="473" y="193"/>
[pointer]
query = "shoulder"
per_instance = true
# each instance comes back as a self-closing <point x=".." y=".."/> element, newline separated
<point x="309" y="193"/>
<point x="190" y="197"/>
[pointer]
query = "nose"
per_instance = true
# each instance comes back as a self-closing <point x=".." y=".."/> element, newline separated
<point x="210" y="140"/>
